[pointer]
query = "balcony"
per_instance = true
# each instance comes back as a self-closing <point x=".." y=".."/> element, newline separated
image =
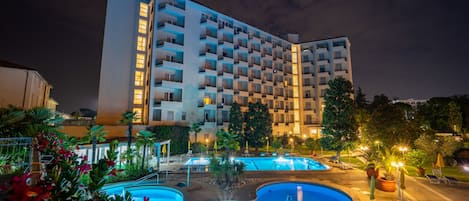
<point x="209" y="38"/>
<point x="170" y="63"/>
<point x="209" y="21"/>
<point x="208" y="69"/>
<point x="169" y="44"/>
<point x="172" y="8"/>
<point x="168" y="83"/>
<point x="208" y="87"/>
<point x="340" y="59"/>
<point x="208" y="53"/>
<point x="171" y="27"/>
<point x="340" y="72"/>
<point x="168" y="103"/>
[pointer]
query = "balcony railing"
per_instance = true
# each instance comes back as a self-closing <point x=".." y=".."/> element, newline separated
<point x="177" y="5"/>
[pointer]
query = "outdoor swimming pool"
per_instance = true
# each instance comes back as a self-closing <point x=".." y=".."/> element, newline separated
<point x="290" y="191"/>
<point x="269" y="163"/>
<point x="154" y="192"/>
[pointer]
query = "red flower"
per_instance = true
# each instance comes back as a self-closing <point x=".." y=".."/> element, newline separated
<point x="84" y="169"/>
<point x="65" y="153"/>
<point x="145" y="198"/>
<point x="110" y="163"/>
<point x="113" y="172"/>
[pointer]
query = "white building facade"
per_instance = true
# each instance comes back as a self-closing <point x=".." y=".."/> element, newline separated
<point x="176" y="62"/>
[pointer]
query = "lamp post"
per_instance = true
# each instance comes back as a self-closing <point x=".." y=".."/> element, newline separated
<point x="403" y="149"/>
<point x="267" y="138"/>
<point x="377" y="142"/>
<point x="292" y="145"/>
<point x="206" y="142"/>
<point x="398" y="165"/>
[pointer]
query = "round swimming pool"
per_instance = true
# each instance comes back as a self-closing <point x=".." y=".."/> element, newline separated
<point x="154" y="192"/>
<point x="297" y="191"/>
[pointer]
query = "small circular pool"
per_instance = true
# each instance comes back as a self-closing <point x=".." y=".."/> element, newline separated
<point x="297" y="191"/>
<point x="154" y="192"/>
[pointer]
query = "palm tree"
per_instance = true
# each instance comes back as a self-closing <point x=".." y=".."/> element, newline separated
<point x="196" y="129"/>
<point x="128" y="119"/>
<point x="95" y="134"/>
<point x="231" y="170"/>
<point x="144" y="138"/>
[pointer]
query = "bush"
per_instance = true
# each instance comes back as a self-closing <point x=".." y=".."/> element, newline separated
<point x="179" y="137"/>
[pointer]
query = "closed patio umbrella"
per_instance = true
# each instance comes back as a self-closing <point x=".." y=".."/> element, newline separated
<point x="439" y="161"/>
<point x="372" y="187"/>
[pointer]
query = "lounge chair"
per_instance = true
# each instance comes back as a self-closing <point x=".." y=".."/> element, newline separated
<point x="433" y="179"/>
<point x="451" y="180"/>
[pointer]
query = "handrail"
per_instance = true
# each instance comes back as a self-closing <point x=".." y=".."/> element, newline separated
<point x="139" y="181"/>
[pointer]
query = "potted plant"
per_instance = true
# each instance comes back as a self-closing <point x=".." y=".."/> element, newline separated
<point x="418" y="158"/>
<point x="387" y="182"/>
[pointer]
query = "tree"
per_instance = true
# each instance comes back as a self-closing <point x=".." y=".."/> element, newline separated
<point x="379" y="100"/>
<point x="145" y="138"/>
<point x="258" y="124"/>
<point x="196" y="129"/>
<point x="16" y="122"/>
<point x="432" y="145"/>
<point x="339" y="126"/>
<point x="128" y="119"/>
<point x="360" y="99"/>
<point x="454" y="117"/>
<point x="94" y="135"/>
<point x="389" y="125"/>
<point x="229" y="169"/>
<point x="236" y="120"/>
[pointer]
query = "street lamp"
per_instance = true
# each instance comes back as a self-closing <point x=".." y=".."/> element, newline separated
<point x="398" y="165"/>
<point x="377" y="142"/>
<point x="403" y="149"/>
<point x="267" y="138"/>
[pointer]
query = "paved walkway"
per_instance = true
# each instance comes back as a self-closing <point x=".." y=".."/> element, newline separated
<point x="354" y="182"/>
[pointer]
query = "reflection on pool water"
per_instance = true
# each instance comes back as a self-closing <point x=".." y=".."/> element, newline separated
<point x="269" y="163"/>
<point x="297" y="191"/>
<point x="154" y="192"/>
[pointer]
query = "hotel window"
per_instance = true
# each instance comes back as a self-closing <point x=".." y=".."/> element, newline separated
<point x="142" y="26"/>
<point x="322" y="57"/>
<point x="139" y="77"/>
<point x="141" y="43"/>
<point x="140" y="61"/>
<point x="138" y="96"/>
<point x="338" y="67"/>
<point x="143" y="9"/>
<point x="337" y="55"/>
<point x="138" y="114"/>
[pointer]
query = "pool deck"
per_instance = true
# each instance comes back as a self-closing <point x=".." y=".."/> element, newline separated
<point x="352" y="181"/>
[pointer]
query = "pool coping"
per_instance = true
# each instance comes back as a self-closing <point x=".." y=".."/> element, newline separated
<point x="300" y="182"/>
<point x="337" y="187"/>
<point x="183" y="191"/>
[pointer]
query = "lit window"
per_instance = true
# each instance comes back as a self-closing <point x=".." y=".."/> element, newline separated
<point x="141" y="43"/>
<point x="138" y="96"/>
<point x="140" y="61"/>
<point x="139" y="77"/>
<point x="138" y="114"/>
<point x="143" y="9"/>
<point x="142" y="26"/>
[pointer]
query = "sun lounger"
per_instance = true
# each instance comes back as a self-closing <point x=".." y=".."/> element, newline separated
<point x="451" y="180"/>
<point x="433" y="179"/>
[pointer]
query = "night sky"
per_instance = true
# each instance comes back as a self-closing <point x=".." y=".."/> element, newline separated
<point x="402" y="48"/>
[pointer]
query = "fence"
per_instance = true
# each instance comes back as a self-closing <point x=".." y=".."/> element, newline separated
<point x="15" y="153"/>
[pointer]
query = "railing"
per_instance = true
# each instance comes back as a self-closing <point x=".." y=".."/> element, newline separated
<point x="139" y="181"/>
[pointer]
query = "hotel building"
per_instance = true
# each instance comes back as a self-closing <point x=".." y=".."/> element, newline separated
<point x="177" y="62"/>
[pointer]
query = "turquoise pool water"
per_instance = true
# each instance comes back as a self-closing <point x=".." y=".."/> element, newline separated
<point x="269" y="163"/>
<point x="293" y="191"/>
<point x="154" y="192"/>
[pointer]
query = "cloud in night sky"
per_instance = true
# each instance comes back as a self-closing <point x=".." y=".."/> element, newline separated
<point x="402" y="48"/>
